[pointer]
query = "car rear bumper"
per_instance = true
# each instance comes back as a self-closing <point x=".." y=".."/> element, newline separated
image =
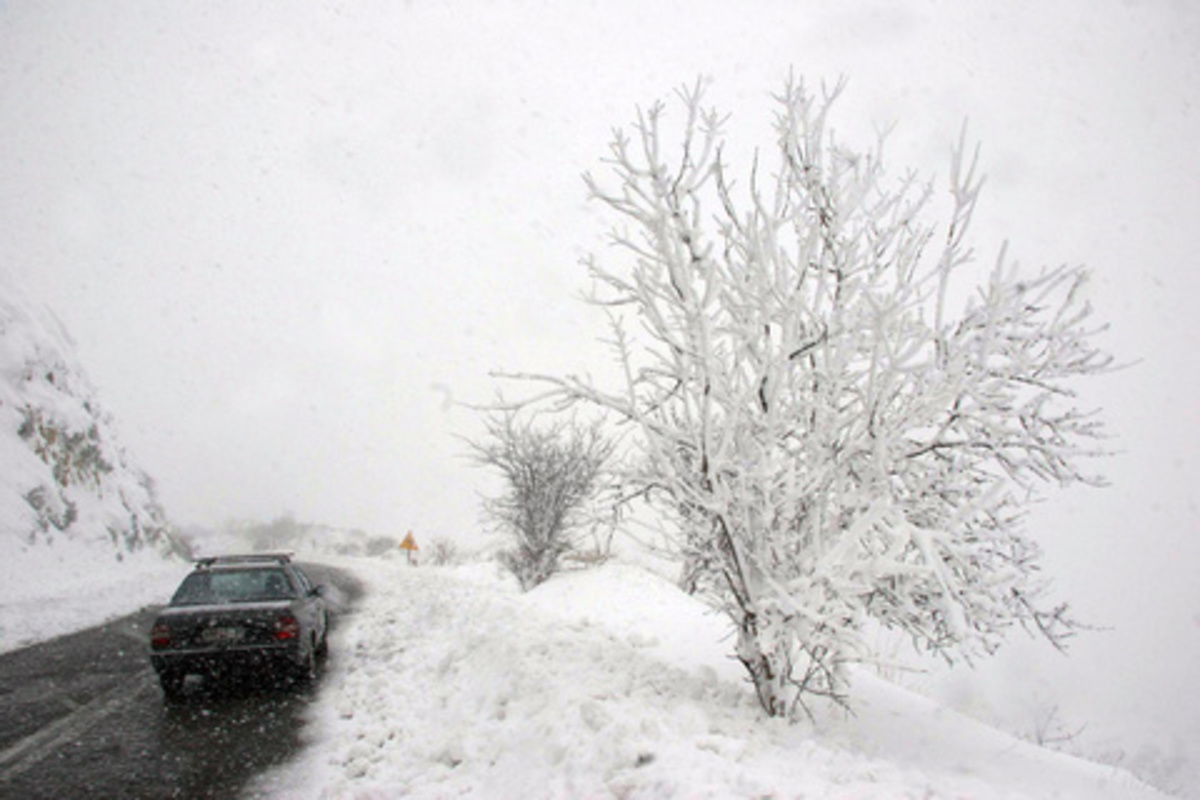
<point x="229" y="659"/>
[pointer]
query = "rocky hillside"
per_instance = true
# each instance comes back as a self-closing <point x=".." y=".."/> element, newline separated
<point x="70" y="495"/>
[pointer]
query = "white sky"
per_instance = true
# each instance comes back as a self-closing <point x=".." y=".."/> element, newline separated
<point x="286" y="236"/>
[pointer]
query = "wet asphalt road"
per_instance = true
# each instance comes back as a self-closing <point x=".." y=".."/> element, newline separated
<point x="82" y="716"/>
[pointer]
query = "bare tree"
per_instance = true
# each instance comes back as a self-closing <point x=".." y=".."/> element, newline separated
<point x="549" y="473"/>
<point x="833" y="435"/>
<point x="443" y="552"/>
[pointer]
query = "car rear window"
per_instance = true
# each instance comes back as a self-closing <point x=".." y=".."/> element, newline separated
<point x="233" y="586"/>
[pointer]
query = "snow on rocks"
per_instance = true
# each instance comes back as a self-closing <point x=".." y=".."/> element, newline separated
<point x="608" y="683"/>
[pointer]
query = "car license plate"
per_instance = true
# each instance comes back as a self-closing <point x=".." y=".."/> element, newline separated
<point x="222" y="635"/>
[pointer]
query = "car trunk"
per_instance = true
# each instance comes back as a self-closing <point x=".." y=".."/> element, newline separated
<point x="224" y="625"/>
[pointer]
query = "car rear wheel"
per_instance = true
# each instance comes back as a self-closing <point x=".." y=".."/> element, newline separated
<point x="172" y="686"/>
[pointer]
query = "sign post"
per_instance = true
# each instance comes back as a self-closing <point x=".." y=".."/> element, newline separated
<point x="410" y="546"/>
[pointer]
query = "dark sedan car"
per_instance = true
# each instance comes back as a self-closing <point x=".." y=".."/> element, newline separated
<point x="240" y="614"/>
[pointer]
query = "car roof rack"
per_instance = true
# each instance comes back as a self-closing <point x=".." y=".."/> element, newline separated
<point x="244" y="558"/>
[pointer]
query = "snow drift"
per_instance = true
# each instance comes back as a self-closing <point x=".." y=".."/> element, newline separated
<point x="613" y="683"/>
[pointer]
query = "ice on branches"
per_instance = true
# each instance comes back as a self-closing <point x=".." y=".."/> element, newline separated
<point x="833" y="436"/>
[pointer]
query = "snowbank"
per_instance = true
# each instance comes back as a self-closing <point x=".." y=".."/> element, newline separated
<point x="607" y="683"/>
<point x="55" y="589"/>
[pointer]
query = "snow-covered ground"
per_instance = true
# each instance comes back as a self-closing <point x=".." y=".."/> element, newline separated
<point x="51" y="591"/>
<point x="610" y="682"/>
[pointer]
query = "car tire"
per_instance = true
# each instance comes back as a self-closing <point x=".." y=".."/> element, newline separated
<point x="323" y="645"/>
<point x="172" y="686"/>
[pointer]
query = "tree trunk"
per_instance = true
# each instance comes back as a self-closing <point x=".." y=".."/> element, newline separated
<point x="766" y="659"/>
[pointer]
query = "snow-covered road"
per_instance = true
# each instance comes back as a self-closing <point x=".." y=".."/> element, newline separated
<point x="612" y="683"/>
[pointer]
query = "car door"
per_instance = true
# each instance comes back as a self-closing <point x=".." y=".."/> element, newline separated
<point x="311" y="606"/>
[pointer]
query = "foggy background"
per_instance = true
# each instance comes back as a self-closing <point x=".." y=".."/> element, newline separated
<point x="290" y="238"/>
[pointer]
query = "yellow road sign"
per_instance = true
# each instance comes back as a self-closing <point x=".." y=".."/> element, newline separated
<point x="409" y="543"/>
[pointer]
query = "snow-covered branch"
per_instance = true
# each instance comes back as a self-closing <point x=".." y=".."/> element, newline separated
<point x="834" y="438"/>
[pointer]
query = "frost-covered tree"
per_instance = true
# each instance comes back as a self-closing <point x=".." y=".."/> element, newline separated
<point x="549" y="472"/>
<point x="840" y="431"/>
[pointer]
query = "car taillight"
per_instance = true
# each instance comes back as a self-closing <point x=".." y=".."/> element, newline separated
<point x="286" y="627"/>
<point x="160" y="636"/>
